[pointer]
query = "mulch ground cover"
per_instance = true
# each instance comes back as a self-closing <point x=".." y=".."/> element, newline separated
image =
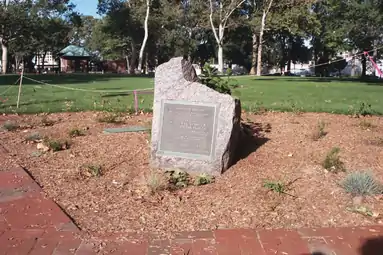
<point x="105" y="182"/>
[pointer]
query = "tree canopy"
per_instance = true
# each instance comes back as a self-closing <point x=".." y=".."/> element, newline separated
<point x="255" y="34"/>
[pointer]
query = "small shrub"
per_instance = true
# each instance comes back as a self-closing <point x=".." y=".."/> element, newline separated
<point x="94" y="170"/>
<point x="361" y="184"/>
<point x="319" y="131"/>
<point x="56" y="145"/>
<point x="155" y="182"/>
<point x="277" y="187"/>
<point x="91" y="170"/>
<point x="294" y="108"/>
<point x="76" y="132"/>
<point x="210" y="78"/>
<point x="177" y="178"/>
<point x="365" y="211"/>
<point x="256" y="108"/>
<point x="10" y="126"/>
<point x="109" y="118"/>
<point x="332" y="161"/>
<point x="34" y="137"/>
<point x="364" y="124"/>
<point x="47" y="122"/>
<point x="363" y="109"/>
<point x="204" y="179"/>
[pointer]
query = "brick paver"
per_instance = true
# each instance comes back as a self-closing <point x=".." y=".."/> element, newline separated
<point x="32" y="224"/>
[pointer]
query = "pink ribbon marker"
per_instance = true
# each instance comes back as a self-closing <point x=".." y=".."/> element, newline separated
<point x="374" y="64"/>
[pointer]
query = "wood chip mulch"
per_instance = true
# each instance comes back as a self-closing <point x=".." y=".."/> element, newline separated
<point x="284" y="151"/>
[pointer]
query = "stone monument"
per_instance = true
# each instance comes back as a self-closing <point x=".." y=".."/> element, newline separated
<point x="194" y="127"/>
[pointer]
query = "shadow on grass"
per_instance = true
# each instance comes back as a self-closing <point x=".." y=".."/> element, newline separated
<point x="367" y="80"/>
<point x="252" y="138"/>
<point x="64" y="78"/>
<point x="117" y="94"/>
<point x="37" y="102"/>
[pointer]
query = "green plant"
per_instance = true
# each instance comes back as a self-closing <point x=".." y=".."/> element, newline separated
<point x="155" y="182"/>
<point x="47" y="122"/>
<point x="94" y="170"/>
<point x="364" y="124"/>
<point x="332" y="161"/>
<point x="362" y="210"/>
<point x="293" y="107"/>
<point x="256" y="108"/>
<point x="209" y="77"/>
<point x="56" y="145"/>
<point x="361" y="184"/>
<point x="177" y="178"/>
<point x="277" y="187"/>
<point x="365" y="109"/>
<point x="362" y="109"/>
<point x="10" y="126"/>
<point x="109" y="118"/>
<point x="34" y="137"/>
<point x="76" y="132"/>
<point x="203" y="179"/>
<point x="319" y="131"/>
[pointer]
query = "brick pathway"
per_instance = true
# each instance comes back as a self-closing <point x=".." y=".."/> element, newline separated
<point x="32" y="224"/>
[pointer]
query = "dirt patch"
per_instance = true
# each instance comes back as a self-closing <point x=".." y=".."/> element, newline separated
<point x="119" y="200"/>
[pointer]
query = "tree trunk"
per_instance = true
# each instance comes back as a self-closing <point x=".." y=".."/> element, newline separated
<point x="223" y="18"/>
<point x="141" y="56"/>
<point x="220" y="59"/>
<point x="364" y="65"/>
<point x="375" y="56"/>
<point x="259" y="57"/>
<point x="220" y="48"/>
<point x="146" y="63"/>
<point x="4" y="57"/>
<point x="43" y="61"/>
<point x="127" y="63"/>
<point x="254" y="55"/>
<point x="282" y="61"/>
<point x="290" y="54"/>
<point x="353" y="64"/>
<point x="133" y="59"/>
<point x="17" y="63"/>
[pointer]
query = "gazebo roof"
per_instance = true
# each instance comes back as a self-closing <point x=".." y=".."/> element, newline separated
<point x="75" y="51"/>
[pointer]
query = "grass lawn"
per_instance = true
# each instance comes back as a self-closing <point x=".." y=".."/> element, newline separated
<point x="276" y="93"/>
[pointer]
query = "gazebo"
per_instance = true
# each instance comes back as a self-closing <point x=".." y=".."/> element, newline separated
<point x="74" y="59"/>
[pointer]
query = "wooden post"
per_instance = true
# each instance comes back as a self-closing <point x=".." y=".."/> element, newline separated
<point x="21" y="82"/>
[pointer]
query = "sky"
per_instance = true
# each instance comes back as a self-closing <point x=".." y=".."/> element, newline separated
<point x="86" y="7"/>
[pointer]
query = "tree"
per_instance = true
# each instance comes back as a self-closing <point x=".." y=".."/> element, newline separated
<point x="81" y="34"/>
<point x="13" y="25"/>
<point x="329" y="33"/>
<point x="291" y="24"/>
<point x="141" y="56"/>
<point x="124" y="21"/>
<point x="265" y="11"/>
<point x="223" y="9"/>
<point x="363" y="25"/>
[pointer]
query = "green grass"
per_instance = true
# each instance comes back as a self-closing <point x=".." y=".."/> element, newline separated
<point x="273" y="93"/>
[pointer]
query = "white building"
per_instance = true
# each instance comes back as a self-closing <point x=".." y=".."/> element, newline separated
<point x="49" y="61"/>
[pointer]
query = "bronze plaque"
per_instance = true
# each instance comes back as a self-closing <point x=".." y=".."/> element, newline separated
<point x="188" y="129"/>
